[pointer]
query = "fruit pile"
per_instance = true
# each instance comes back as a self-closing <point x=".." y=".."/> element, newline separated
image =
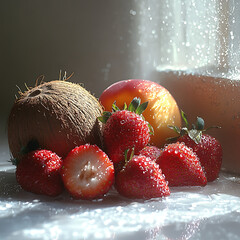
<point x="130" y="159"/>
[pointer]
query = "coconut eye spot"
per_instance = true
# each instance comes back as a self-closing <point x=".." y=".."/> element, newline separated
<point x="35" y="93"/>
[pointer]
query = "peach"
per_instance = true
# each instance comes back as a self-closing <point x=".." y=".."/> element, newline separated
<point x="162" y="108"/>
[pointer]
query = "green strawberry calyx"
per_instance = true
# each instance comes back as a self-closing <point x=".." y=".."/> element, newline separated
<point x="195" y="132"/>
<point x="135" y="106"/>
<point x="31" y="146"/>
<point x="128" y="155"/>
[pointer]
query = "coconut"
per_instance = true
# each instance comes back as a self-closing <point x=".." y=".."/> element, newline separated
<point x="57" y="115"/>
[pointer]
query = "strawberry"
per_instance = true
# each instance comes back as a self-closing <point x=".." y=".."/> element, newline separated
<point x="207" y="148"/>
<point x="87" y="172"/>
<point x="141" y="178"/>
<point x="209" y="152"/>
<point x="181" y="166"/>
<point x="39" y="172"/>
<point x="125" y="129"/>
<point x="153" y="152"/>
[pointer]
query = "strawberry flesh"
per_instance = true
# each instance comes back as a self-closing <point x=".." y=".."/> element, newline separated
<point x="87" y="172"/>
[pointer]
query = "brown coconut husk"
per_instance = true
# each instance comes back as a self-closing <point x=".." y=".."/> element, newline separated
<point x="58" y="115"/>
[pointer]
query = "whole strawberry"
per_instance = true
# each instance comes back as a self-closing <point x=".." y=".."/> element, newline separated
<point x="39" y="172"/>
<point x="181" y="166"/>
<point x="209" y="152"/>
<point x="207" y="148"/>
<point x="152" y="152"/>
<point x="125" y="129"/>
<point x="141" y="178"/>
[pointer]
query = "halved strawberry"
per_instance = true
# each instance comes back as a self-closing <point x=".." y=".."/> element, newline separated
<point x="87" y="172"/>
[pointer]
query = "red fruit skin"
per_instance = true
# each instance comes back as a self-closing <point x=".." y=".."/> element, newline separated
<point x="141" y="178"/>
<point x="181" y="166"/>
<point x="152" y="152"/>
<point x="77" y="176"/>
<point x="209" y="152"/>
<point x="39" y="172"/>
<point x="124" y="130"/>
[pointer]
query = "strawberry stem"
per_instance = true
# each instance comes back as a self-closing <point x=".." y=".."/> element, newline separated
<point x="31" y="146"/>
<point x="115" y="108"/>
<point x="195" y="133"/>
<point x="199" y="124"/>
<point x="105" y="116"/>
<point x="126" y="158"/>
<point x="151" y="130"/>
<point x="135" y="103"/>
<point x="184" y="117"/>
<point x="135" y="106"/>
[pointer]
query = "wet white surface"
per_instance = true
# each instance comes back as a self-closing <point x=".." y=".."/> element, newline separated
<point x="211" y="212"/>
